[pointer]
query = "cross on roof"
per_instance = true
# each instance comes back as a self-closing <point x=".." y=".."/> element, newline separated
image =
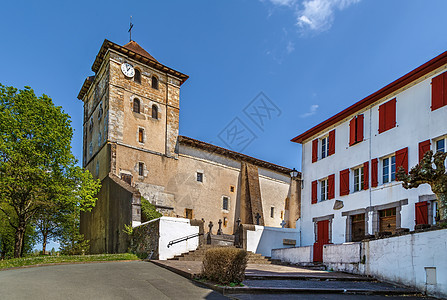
<point x="130" y="29"/>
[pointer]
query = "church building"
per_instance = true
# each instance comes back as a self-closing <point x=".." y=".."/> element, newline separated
<point x="131" y="143"/>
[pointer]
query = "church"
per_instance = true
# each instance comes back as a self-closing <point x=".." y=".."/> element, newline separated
<point x="131" y="142"/>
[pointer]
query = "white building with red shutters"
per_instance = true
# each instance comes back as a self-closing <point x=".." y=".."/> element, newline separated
<point x="349" y="161"/>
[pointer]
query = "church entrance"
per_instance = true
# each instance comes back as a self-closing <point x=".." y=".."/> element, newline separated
<point x="322" y="238"/>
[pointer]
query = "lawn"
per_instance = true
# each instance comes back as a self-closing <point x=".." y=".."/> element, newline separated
<point x="43" y="260"/>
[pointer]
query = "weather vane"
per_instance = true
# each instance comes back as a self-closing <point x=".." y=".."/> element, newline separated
<point x="130" y="30"/>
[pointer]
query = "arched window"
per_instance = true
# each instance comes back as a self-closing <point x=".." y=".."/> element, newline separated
<point x="136" y="105"/>
<point x="154" y="82"/>
<point x="154" y="111"/>
<point x="137" y="76"/>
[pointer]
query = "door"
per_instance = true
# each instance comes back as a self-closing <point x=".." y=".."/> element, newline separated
<point x="322" y="239"/>
<point x="357" y="227"/>
<point x="421" y="213"/>
<point x="388" y="220"/>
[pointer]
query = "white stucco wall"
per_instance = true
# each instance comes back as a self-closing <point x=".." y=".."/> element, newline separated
<point x="295" y="255"/>
<point x="415" y="123"/>
<point x="263" y="239"/>
<point x="174" y="228"/>
<point x="342" y="253"/>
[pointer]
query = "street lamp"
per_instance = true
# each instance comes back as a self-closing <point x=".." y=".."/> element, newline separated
<point x="294" y="173"/>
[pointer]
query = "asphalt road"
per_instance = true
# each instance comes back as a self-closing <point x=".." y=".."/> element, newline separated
<point x="111" y="280"/>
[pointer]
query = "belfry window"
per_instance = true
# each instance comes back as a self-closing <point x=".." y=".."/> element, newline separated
<point x="137" y="76"/>
<point x="154" y="111"/>
<point x="154" y="82"/>
<point x="136" y="105"/>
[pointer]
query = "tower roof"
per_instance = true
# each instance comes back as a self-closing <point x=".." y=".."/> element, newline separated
<point x="133" y="46"/>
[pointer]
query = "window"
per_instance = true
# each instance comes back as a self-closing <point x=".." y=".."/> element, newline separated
<point x="389" y="169"/>
<point x="137" y="76"/>
<point x="126" y="178"/>
<point x="231" y="188"/>
<point x="440" y="145"/>
<point x="324" y="147"/>
<point x="90" y="149"/>
<point x="99" y="139"/>
<point x="199" y="177"/>
<point x="90" y="125"/>
<point x="100" y="110"/>
<point x="141" y="169"/>
<point x="387" y="115"/>
<point x="136" y="105"/>
<point x="323" y="189"/>
<point x="356" y="130"/>
<point x="141" y="135"/>
<point x="358" y="179"/>
<point x="272" y="212"/>
<point x="225" y="202"/>
<point x="154" y="82"/>
<point x="97" y="169"/>
<point x="188" y="213"/>
<point x="439" y="91"/>
<point x="154" y="111"/>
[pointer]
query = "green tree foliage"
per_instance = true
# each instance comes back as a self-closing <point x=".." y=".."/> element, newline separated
<point x="148" y="211"/>
<point x="431" y="170"/>
<point x="38" y="172"/>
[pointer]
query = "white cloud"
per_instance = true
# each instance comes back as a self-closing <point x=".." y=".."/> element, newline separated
<point x="312" y="111"/>
<point x="290" y="47"/>
<point x="314" y="15"/>
<point x="283" y="2"/>
<point x="318" y="15"/>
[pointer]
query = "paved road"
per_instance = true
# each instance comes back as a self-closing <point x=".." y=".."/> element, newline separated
<point x="112" y="280"/>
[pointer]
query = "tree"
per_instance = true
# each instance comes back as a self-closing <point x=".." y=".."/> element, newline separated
<point x="36" y="162"/>
<point x="431" y="170"/>
<point x="148" y="211"/>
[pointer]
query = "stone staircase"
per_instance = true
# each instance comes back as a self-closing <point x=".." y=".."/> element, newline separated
<point x="199" y="254"/>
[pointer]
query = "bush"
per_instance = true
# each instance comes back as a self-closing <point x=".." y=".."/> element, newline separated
<point x="224" y="265"/>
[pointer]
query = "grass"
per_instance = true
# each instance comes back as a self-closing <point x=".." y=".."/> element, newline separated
<point x="44" y="260"/>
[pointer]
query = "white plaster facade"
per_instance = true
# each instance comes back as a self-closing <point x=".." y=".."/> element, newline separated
<point x="415" y="122"/>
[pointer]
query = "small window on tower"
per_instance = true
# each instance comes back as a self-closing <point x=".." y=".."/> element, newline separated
<point x="137" y="76"/>
<point x="272" y="212"/>
<point x="154" y="111"/>
<point x="225" y="201"/>
<point x="141" y="169"/>
<point x="141" y="135"/>
<point x="136" y="105"/>
<point x="154" y="82"/>
<point x="231" y="188"/>
<point x="199" y="177"/>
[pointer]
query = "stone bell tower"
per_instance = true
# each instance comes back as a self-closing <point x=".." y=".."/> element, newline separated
<point x="131" y="124"/>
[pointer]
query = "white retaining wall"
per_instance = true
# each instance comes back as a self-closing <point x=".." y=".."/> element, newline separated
<point x="295" y="255"/>
<point x="263" y="239"/>
<point x="174" y="228"/>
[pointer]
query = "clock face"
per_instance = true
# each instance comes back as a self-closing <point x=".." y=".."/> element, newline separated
<point x="127" y="69"/>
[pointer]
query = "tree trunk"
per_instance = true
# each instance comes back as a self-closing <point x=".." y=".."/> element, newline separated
<point x="442" y="206"/>
<point x="44" y="244"/>
<point x="20" y="233"/>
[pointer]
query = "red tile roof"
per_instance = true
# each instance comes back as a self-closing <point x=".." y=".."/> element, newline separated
<point x="133" y="46"/>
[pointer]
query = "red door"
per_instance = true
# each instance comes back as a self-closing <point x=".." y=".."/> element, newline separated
<point x="322" y="239"/>
<point x="421" y="212"/>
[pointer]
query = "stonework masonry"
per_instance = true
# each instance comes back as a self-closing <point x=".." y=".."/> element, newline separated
<point x="140" y="153"/>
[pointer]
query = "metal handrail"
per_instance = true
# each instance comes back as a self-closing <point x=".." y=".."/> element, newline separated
<point x="184" y="239"/>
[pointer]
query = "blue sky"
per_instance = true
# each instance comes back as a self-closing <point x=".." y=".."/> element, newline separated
<point x="309" y="58"/>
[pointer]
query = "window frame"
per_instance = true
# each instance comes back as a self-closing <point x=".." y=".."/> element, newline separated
<point x="140" y="168"/>
<point x="323" y="190"/>
<point x="154" y="109"/>
<point x="324" y="147"/>
<point x="272" y="211"/>
<point x="389" y="168"/>
<point x="444" y="140"/>
<point x="137" y="102"/>
<point x="199" y="177"/>
<point x="227" y="198"/>
<point x="140" y="135"/>
<point x="157" y="81"/>
<point x="137" y="71"/>
<point x="358" y="186"/>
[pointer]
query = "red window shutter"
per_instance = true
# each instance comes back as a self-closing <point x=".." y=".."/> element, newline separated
<point x="366" y="175"/>
<point x="374" y="174"/>
<point x="314" y="191"/>
<point x="331" y="187"/>
<point x="402" y="159"/>
<point x="382" y="109"/>
<point x="438" y="91"/>
<point x="387" y="115"/>
<point x="314" y="150"/>
<point x="423" y="148"/>
<point x="352" y="130"/>
<point x="331" y="149"/>
<point x="344" y="182"/>
<point x="421" y="212"/>
<point x="359" y="134"/>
